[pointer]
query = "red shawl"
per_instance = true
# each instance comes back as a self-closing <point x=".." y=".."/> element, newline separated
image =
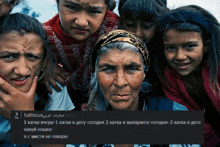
<point x="177" y="92"/>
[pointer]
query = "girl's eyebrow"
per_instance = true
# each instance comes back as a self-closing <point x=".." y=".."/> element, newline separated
<point x="184" y="43"/>
<point x="191" y="42"/>
<point x="96" y="8"/>
<point x="71" y="3"/>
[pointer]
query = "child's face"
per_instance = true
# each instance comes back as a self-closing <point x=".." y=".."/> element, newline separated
<point x="5" y="9"/>
<point x="81" y="18"/>
<point x="183" y="50"/>
<point x="21" y="59"/>
<point x="145" y="30"/>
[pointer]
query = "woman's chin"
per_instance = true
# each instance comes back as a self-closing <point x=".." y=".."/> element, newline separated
<point x="122" y="107"/>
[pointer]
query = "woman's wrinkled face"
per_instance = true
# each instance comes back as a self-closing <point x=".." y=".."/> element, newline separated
<point x="81" y="18"/>
<point x="145" y="30"/>
<point x="183" y="50"/>
<point x="21" y="59"/>
<point x="120" y="75"/>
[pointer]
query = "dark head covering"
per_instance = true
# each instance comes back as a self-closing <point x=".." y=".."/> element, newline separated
<point x="181" y="16"/>
<point x="120" y="36"/>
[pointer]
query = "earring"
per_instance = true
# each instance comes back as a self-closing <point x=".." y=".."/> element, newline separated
<point x="41" y="74"/>
<point x="146" y="87"/>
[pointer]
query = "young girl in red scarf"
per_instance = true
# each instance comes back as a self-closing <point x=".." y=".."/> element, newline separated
<point x="72" y="34"/>
<point x="188" y="60"/>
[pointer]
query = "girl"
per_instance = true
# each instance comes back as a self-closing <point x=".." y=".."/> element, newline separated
<point x="24" y="56"/>
<point x="72" y="34"/>
<point x="188" y="64"/>
<point x="141" y="18"/>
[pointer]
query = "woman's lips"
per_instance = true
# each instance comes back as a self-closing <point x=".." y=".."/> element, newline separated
<point x="20" y="81"/>
<point x="121" y="97"/>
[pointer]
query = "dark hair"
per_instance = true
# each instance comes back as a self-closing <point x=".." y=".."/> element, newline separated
<point x="23" y="24"/>
<point x="146" y="10"/>
<point x="13" y="2"/>
<point x="109" y="3"/>
<point x="209" y="28"/>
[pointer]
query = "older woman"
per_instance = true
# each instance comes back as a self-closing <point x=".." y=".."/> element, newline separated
<point x="24" y="66"/>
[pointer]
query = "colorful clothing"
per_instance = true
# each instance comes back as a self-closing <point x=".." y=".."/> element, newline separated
<point x="75" y="55"/>
<point x="57" y="101"/>
<point x="177" y="92"/>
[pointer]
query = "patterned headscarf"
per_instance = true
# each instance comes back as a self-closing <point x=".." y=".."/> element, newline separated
<point x="120" y="36"/>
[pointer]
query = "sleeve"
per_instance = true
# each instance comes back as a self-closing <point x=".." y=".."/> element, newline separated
<point x="59" y="100"/>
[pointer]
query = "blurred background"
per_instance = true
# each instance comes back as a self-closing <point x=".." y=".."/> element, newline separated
<point x="46" y="9"/>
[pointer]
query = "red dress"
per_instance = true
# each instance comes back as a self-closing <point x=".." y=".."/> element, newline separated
<point x="74" y="55"/>
<point x="177" y="92"/>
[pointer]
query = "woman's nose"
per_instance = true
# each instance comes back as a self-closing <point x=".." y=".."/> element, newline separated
<point x="82" y="21"/>
<point x="120" y="79"/>
<point x="22" y="67"/>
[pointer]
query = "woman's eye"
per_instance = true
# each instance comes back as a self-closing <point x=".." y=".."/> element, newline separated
<point x="108" y="70"/>
<point x="9" y="58"/>
<point x="32" y="57"/>
<point x="131" y="69"/>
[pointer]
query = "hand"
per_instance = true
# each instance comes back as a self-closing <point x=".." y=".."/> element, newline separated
<point x="59" y="76"/>
<point x="13" y="99"/>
